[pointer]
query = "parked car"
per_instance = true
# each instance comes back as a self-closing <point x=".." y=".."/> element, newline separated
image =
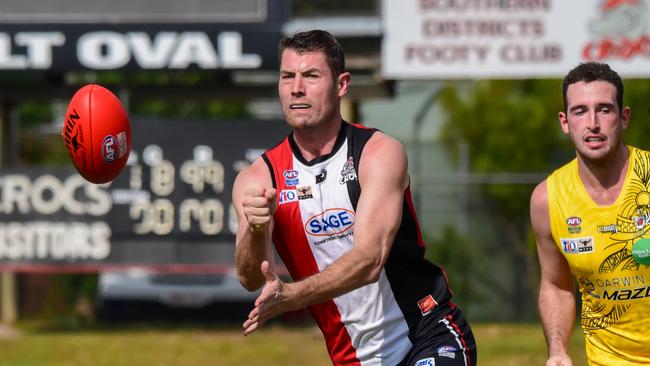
<point x="139" y="294"/>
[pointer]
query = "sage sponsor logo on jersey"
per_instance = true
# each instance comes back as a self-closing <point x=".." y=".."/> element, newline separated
<point x="577" y="245"/>
<point x="291" y="177"/>
<point x="348" y="173"/>
<point x="331" y="222"/>
<point x="573" y="224"/>
<point x="288" y="195"/>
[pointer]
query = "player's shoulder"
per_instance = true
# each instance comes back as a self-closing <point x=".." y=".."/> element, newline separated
<point x="383" y="159"/>
<point x="638" y="152"/>
<point x="255" y="174"/>
<point x="541" y="191"/>
<point x="384" y="153"/>
<point x="539" y="201"/>
<point x="383" y="145"/>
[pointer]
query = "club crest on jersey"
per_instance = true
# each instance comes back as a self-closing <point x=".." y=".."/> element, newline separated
<point x="331" y="222"/>
<point x="573" y="224"/>
<point x="641" y="220"/>
<point x="577" y="245"/>
<point x="348" y="173"/>
<point x="288" y="195"/>
<point x="304" y="192"/>
<point x="291" y="177"/>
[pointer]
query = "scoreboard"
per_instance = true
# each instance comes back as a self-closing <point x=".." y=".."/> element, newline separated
<point x="171" y="206"/>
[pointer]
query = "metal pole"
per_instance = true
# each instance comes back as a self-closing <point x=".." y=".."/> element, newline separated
<point x="9" y="310"/>
<point x="416" y="159"/>
<point x="463" y="187"/>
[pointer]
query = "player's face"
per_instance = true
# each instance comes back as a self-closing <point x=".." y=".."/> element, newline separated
<point x="593" y="119"/>
<point x="309" y="93"/>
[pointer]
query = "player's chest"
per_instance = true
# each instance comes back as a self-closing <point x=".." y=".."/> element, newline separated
<point x="321" y="196"/>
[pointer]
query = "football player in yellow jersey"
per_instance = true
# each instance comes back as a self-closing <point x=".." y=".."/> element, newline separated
<point x="587" y="215"/>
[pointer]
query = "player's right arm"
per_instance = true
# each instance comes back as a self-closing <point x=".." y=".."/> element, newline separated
<point x="556" y="290"/>
<point x="254" y="200"/>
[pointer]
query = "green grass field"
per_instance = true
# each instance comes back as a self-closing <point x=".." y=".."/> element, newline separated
<point x="499" y="344"/>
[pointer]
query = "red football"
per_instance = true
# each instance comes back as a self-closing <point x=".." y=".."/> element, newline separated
<point x="97" y="133"/>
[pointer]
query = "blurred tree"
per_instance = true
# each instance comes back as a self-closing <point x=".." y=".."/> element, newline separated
<point x="37" y="146"/>
<point x="69" y="299"/>
<point x="636" y="96"/>
<point x="454" y="253"/>
<point x="509" y="126"/>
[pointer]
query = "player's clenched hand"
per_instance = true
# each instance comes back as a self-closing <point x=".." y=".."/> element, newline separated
<point x="259" y="205"/>
<point x="559" y="360"/>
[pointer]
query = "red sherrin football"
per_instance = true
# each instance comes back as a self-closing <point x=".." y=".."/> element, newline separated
<point x="97" y="133"/>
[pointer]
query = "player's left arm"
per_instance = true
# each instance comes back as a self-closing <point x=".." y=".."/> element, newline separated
<point x="382" y="174"/>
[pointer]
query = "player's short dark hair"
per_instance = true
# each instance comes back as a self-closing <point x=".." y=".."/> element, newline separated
<point x="592" y="71"/>
<point x="317" y="41"/>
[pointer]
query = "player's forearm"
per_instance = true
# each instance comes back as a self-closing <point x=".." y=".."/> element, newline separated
<point x="351" y="271"/>
<point x="249" y="253"/>
<point x="557" y="310"/>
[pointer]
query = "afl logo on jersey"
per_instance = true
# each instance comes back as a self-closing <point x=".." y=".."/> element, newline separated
<point x="573" y="224"/>
<point x="574" y="221"/>
<point x="291" y="177"/>
<point x="333" y="221"/>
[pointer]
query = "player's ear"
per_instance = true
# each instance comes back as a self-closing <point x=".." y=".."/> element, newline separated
<point x="626" y="113"/>
<point x="343" y="83"/>
<point x="564" y="122"/>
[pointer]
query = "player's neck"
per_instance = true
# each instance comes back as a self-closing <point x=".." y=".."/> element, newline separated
<point x="319" y="140"/>
<point x="603" y="179"/>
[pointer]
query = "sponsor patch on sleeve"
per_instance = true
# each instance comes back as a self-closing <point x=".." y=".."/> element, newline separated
<point x="427" y="304"/>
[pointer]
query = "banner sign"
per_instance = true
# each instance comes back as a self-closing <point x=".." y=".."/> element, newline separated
<point x="463" y="39"/>
<point x="65" y="47"/>
<point x="170" y="206"/>
<point x="144" y="11"/>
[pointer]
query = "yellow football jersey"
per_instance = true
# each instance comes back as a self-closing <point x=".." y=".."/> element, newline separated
<point x="597" y="243"/>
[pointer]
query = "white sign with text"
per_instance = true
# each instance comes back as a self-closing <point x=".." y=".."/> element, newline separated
<point x="468" y="39"/>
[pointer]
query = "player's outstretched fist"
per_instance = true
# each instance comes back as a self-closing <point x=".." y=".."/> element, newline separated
<point x="259" y="206"/>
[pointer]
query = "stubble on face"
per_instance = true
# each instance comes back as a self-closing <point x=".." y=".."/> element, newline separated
<point x="593" y="120"/>
<point x="307" y="90"/>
